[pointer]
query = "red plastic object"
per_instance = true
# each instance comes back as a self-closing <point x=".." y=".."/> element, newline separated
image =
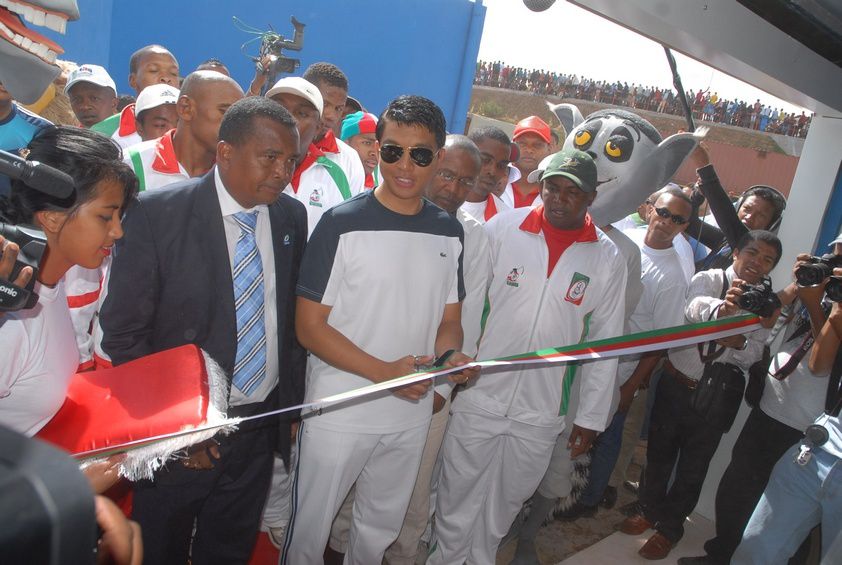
<point x="157" y="394"/>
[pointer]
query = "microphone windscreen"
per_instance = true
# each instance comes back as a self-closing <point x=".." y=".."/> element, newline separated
<point x="538" y="5"/>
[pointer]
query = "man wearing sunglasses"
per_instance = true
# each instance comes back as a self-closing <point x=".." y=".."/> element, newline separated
<point x="456" y="175"/>
<point x="556" y="279"/>
<point x="379" y="295"/>
<point x="678" y="434"/>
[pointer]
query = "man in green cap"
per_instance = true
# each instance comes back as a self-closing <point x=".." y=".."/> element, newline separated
<point x="556" y="280"/>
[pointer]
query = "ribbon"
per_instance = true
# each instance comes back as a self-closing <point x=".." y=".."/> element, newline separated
<point x="641" y="342"/>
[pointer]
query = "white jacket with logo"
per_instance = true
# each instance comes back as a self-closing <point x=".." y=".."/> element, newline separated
<point x="582" y="299"/>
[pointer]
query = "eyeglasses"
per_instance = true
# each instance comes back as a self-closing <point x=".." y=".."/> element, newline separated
<point x="447" y="176"/>
<point x="676" y="219"/>
<point x="421" y="156"/>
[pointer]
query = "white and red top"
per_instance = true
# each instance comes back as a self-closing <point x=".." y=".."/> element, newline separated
<point x="327" y="176"/>
<point x="120" y="127"/>
<point x="533" y="306"/>
<point x="155" y="163"/>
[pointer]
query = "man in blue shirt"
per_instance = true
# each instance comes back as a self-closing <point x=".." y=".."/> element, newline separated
<point x="806" y="484"/>
<point x="17" y="127"/>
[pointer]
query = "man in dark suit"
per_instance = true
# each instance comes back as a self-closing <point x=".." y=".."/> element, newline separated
<point x="214" y="261"/>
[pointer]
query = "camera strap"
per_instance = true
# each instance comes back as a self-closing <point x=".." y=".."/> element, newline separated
<point x="796" y="357"/>
<point x="833" y="397"/>
<point x="803" y="328"/>
<point x="713" y="353"/>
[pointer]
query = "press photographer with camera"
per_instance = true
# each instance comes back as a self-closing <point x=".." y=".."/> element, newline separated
<point x="40" y="353"/>
<point x="786" y="401"/>
<point x="39" y="344"/>
<point x="701" y="390"/>
<point x="805" y="486"/>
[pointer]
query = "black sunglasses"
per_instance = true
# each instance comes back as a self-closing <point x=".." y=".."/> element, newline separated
<point x="421" y="156"/>
<point x="676" y="219"/>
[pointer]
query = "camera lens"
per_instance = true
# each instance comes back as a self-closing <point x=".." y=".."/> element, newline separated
<point x="833" y="290"/>
<point x="810" y="275"/>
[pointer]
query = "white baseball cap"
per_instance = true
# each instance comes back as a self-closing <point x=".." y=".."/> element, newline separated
<point x="93" y="74"/>
<point x="299" y="87"/>
<point x="154" y="96"/>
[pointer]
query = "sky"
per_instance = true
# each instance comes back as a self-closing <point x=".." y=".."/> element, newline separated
<point x="608" y="51"/>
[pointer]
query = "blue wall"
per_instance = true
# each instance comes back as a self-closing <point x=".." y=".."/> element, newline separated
<point x="386" y="47"/>
<point x="832" y="219"/>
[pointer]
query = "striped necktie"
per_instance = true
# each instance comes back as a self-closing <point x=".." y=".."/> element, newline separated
<point x="250" y="363"/>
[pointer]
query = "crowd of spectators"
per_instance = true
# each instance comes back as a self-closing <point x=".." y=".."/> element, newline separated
<point x="706" y="106"/>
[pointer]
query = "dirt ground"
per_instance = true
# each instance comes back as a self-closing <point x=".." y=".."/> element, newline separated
<point x="558" y="540"/>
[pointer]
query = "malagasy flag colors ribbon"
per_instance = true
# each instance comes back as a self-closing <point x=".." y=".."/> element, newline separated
<point x="105" y="440"/>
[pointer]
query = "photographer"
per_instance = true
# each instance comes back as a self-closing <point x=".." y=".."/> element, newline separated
<point x="40" y="353"/>
<point x="690" y="415"/>
<point x="759" y="208"/>
<point x="791" y="398"/>
<point x="806" y="483"/>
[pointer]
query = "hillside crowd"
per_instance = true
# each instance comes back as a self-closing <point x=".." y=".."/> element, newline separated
<point x="706" y="106"/>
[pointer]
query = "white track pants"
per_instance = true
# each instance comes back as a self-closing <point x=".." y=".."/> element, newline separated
<point x="405" y="548"/>
<point x="384" y="467"/>
<point x="276" y="511"/>
<point x="489" y="467"/>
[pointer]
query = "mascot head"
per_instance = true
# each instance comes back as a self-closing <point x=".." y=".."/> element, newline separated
<point x="27" y="58"/>
<point x="632" y="160"/>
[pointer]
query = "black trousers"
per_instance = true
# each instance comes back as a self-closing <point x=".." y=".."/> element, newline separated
<point x="225" y="503"/>
<point x="763" y="440"/>
<point x="677" y="436"/>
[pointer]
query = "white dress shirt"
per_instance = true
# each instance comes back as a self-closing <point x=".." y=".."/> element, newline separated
<point x="263" y="235"/>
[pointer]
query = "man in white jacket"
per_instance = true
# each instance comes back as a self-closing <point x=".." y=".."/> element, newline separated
<point x="556" y="280"/>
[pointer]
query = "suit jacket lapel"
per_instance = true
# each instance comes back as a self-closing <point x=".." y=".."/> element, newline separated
<point x="209" y="216"/>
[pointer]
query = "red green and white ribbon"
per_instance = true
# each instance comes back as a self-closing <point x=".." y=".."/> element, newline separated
<point x="641" y="342"/>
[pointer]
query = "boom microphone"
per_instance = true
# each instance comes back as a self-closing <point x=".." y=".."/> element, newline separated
<point x="42" y="178"/>
<point x="538" y="5"/>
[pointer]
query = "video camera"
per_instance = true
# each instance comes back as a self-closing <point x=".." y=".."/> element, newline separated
<point x="759" y="298"/>
<point x="30" y="239"/>
<point x="272" y="47"/>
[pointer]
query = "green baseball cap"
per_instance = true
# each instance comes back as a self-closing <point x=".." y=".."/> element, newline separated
<point x="575" y="165"/>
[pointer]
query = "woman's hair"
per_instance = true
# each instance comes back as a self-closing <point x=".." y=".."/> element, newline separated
<point x="88" y="157"/>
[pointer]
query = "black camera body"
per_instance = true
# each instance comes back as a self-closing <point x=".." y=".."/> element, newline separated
<point x="759" y="298"/>
<point x="32" y="244"/>
<point x="817" y="269"/>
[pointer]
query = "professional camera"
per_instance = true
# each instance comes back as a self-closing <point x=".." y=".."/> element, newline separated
<point x="833" y="289"/>
<point x="759" y="298"/>
<point x="817" y="269"/>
